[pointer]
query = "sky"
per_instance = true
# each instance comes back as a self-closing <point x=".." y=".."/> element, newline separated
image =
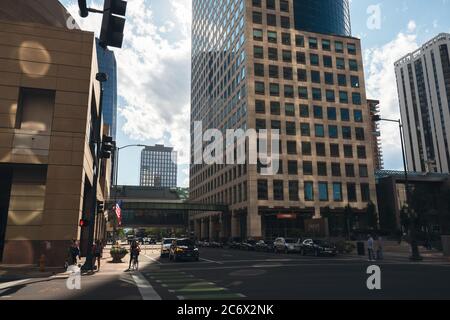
<point x="154" y="69"/>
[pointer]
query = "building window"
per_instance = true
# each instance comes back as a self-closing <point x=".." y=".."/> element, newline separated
<point x="259" y="87"/>
<point x="362" y="152"/>
<point x="257" y="17"/>
<point x="343" y="97"/>
<point x="303" y="92"/>
<point x="326" y="44"/>
<point x="304" y="111"/>
<point x="331" y="113"/>
<point x="262" y="190"/>
<point x="305" y="130"/>
<point x="314" y="59"/>
<point x="329" y="78"/>
<point x="363" y="171"/>
<point x="307" y="168"/>
<point x="336" y="169"/>
<point x="337" y="192"/>
<point x="257" y="35"/>
<point x="358" y="115"/>
<point x="351" y="192"/>
<point x="342" y="80"/>
<point x="365" y="192"/>
<point x="284" y="6"/>
<point x="272" y="36"/>
<point x="287" y="56"/>
<point x="319" y="130"/>
<point x="348" y="151"/>
<point x="306" y="148"/>
<point x="275" y="89"/>
<point x="258" y="52"/>
<point x="347" y="133"/>
<point x="293" y="191"/>
<point x="291" y="129"/>
<point x="327" y="62"/>
<point x="302" y="75"/>
<point x="354" y="80"/>
<point x="292" y="167"/>
<point x="315" y="76"/>
<point x="318" y="112"/>
<point x="299" y="41"/>
<point x="317" y="94"/>
<point x="288" y="91"/>
<point x="260" y="106"/>
<point x="322" y="169"/>
<point x="275" y="108"/>
<point x="274" y="72"/>
<point x="353" y="65"/>
<point x="309" y="191"/>
<point x="301" y="58"/>
<point x="356" y="98"/>
<point x="278" y="192"/>
<point x="345" y="115"/>
<point x="291" y="147"/>
<point x="351" y="48"/>
<point x="289" y="109"/>
<point x="257" y="3"/>
<point x="273" y="54"/>
<point x="323" y="191"/>
<point x="333" y="132"/>
<point x="313" y="43"/>
<point x="330" y="96"/>
<point x="259" y="70"/>
<point x="359" y="134"/>
<point x="285" y="23"/>
<point x="334" y="150"/>
<point x="272" y="20"/>
<point x="339" y="46"/>
<point x="35" y="110"/>
<point x="349" y="170"/>
<point x="270" y="4"/>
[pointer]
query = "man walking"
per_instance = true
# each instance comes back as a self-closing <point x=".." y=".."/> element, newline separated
<point x="370" y="248"/>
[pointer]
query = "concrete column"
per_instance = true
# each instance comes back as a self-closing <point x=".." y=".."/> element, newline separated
<point x="254" y="227"/>
<point x="234" y="226"/>
<point x="211" y="228"/>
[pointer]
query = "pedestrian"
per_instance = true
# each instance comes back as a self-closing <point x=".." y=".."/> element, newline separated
<point x="380" y="255"/>
<point x="370" y="243"/>
<point x="74" y="253"/>
<point x="97" y="252"/>
<point x="134" y="252"/>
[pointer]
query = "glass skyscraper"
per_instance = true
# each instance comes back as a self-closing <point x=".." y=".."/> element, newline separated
<point x="158" y="167"/>
<point x="262" y="64"/>
<point x="107" y="64"/>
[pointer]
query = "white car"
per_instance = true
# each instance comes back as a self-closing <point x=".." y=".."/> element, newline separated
<point x="165" y="246"/>
<point x="287" y="245"/>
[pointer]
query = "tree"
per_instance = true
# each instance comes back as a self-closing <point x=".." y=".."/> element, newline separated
<point x="349" y="217"/>
<point x="372" y="217"/>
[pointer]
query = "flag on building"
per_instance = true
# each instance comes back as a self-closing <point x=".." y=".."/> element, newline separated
<point x="118" y="210"/>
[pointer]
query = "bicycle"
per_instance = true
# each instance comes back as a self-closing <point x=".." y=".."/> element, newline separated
<point x="135" y="263"/>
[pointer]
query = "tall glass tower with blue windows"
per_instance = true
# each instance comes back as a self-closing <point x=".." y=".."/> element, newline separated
<point x="107" y="64"/>
<point x="323" y="16"/>
<point x="292" y="66"/>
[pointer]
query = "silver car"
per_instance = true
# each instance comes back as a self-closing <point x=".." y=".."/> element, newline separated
<point x="287" y="245"/>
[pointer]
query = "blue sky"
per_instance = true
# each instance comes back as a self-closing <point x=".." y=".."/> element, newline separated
<point x="154" y="68"/>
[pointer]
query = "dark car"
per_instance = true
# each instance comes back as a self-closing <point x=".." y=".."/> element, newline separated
<point x="183" y="249"/>
<point x="248" y="245"/>
<point x="235" y="243"/>
<point x="318" y="248"/>
<point x="264" y="246"/>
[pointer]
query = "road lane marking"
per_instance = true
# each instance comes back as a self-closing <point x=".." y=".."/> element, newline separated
<point x="153" y="259"/>
<point x="211" y="261"/>
<point x="145" y="288"/>
<point x="16" y="283"/>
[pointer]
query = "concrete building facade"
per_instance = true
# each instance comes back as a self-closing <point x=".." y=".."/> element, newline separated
<point x="251" y="69"/>
<point x="423" y="81"/>
<point x="49" y="101"/>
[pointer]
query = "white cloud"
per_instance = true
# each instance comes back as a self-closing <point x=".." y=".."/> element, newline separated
<point x="412" y="26"/>
<point x="154" y="72"/>
<point x="381" y="84"/>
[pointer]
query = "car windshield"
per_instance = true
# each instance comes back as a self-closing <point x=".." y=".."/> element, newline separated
<point x="168" y="241"/>
<point x="185" y="243"/>
<point x="291" y="241"/>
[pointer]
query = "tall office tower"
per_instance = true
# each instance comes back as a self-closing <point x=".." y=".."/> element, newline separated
<point x="254" y="67"/>
<point x="374" y="108"/>
<point x="107" y="64"/>
<point x="423" y="81"/>
<point x="159" y="167"/>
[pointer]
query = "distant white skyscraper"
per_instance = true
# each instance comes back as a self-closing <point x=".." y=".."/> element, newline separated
<point x="159" y="167"/>
<point x="423" y="80"/>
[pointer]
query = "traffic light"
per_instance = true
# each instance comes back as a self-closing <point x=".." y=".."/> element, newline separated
<point x="83" y="8"/>
<point x="113" y="23"/>
<point x="84" y="223"/>
<point x="100" y="207"/>
<point x="107" y="147"/>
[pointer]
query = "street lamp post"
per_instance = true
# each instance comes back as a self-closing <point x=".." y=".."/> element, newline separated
<point x="415" y="254"/>
<point x="116" y="167"/>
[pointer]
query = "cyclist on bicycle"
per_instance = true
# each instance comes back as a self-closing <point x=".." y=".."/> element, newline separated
<point x="134" y="254"/>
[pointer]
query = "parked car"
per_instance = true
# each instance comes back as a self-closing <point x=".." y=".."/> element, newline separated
<point x="318" y="248"/>
<point x="182" y="249"/>
<point x="248" y="245"/>
<point x="215" y="244"/>
<point x="264" y="246"/>
<point x="165" y="246"/>
<point x="287" y="245"/>
<point x="235" y="243"/>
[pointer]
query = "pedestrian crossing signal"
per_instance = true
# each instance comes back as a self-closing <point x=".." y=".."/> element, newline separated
<point x="84" y="223"/>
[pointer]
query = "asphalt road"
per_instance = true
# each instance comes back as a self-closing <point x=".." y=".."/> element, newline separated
<point x="229" y="274"/>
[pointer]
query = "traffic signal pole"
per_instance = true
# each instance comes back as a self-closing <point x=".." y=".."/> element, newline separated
<point x="88" y="265"/>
